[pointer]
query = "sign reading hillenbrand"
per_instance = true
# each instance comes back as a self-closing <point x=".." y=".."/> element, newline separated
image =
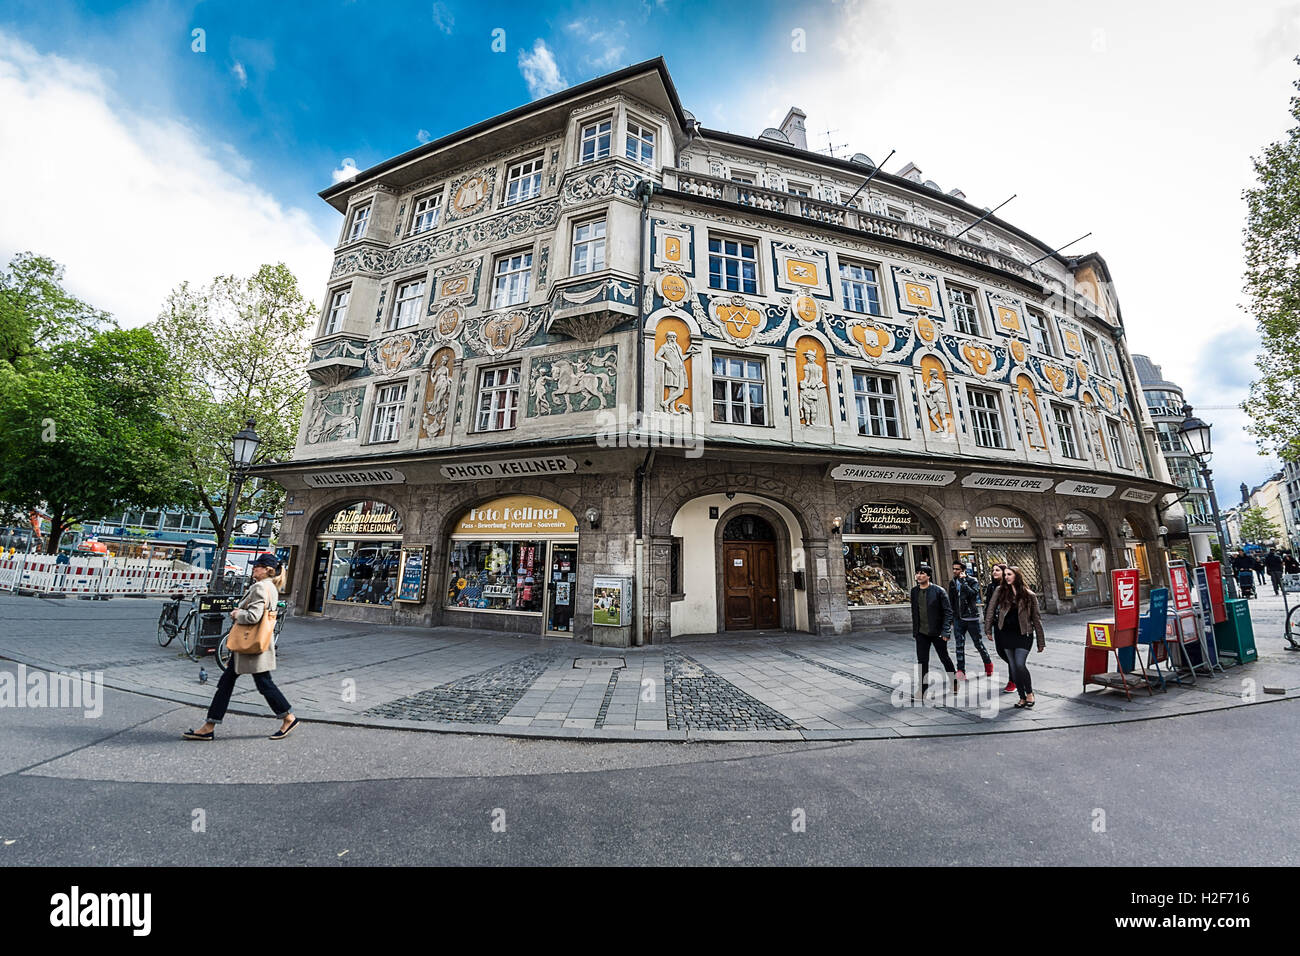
<point x="368" y="476"/>
<point x="508" y="468"/>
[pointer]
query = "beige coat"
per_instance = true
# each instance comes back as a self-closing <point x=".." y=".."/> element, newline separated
<point x="261" y="596"/>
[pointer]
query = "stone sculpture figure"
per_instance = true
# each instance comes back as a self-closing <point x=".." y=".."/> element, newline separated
<point x="811" y="389"/>
<point x="435" y="410"/>
<point x="936" y="402"/>
<point x="1033" y="434"/>
<point x="672" y="361"/>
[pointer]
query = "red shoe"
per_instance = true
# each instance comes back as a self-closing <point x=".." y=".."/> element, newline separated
<point x="1010" y="688"/>
<point x="988" y="668"/>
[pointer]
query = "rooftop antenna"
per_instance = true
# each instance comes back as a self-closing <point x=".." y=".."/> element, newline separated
<point x="830" y="146"/>
<point x="985" y="216"/>
<point x="849" y="201"/>
<point x="1059" y="248"/>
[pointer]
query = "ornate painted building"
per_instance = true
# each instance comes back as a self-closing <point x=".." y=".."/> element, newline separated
<point x="590" y="369"/>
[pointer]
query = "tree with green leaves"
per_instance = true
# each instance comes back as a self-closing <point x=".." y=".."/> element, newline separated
<point x="36" y="312"/>
<point x="238" y="347"/>
<point x="1272" y="247"/>
<point x="82" y="432"/>
<point x="1257" y="527"/>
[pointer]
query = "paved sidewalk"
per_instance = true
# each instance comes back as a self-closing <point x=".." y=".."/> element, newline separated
<point x="729" y="687"/>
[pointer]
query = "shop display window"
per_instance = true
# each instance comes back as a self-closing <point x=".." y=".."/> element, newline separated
<point x="364" y="572"/>
<point x="876" y="573"/>
<point x="496" y="575"/>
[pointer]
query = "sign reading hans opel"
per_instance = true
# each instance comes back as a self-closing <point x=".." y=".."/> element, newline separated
<point x="1000" y="523"/>
<point x="509" y="468"/>
<point x="983" y="479"/>
<point x="370" y="476"/>
<point x="874" y="518"/>
<point x="892" y="476"/>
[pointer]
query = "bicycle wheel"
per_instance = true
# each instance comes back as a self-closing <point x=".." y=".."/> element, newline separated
<point x="224" y="657"/>
<point x="1293" y="627"/>
<point x="166" y="625"/>
<point x="190" y="635"/>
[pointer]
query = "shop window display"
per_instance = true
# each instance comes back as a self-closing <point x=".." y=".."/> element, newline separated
<point x="496" y="575"/>
<point x="876" y="573"/>
<point x="364" y="572"/>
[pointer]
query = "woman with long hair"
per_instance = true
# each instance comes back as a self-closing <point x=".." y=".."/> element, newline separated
<point x="262" y="596"/>
<point x="990" y="589"/>
<point x="1014" y="620"/>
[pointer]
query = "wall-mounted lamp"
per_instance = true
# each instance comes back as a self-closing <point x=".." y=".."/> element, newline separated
<point x="731" y="496"/>
<point x="835" y="524"/>
<point x="963" y="529"/>
<point x="1162" y="531"/>
<point x="593" y="518"/>
<point x="1060" y="529"/>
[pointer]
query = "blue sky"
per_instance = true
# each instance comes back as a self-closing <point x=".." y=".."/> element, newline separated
<point x="142" y="163"/>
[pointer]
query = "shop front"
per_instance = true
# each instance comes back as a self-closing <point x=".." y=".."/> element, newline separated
<point x="1000" y="535"/>
<point x="516" y="555"/>
<point x="1079" y="562"/>
<point x="884" y="542"/>
<point x="357" y="557"/>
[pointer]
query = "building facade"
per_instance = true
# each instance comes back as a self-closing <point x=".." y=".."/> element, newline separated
<point x="590" y="369"/>
<point x="1189" y="514"/>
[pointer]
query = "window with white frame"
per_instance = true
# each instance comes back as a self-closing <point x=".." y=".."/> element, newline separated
<point x="893" y="212"/>
<point x="386" y="425"/>
<point x="498" y="398"/>
<point x="739" y="390"/>
<point x="1118" y="452"/>
<point x="337" y="311"/>
<point x="360" y="217"/>
<point x="733" y="264"/>
<point x="1063" y="419"/>
<point x="745" y="179"/>
<point x="876" y="399"/>
<point x="965" y="309"/>
<point x="797" y="189"/>
<point x="524" y="180"/>
<point x="1041" y="332"/>
<point x="861" y="287"/>
<point x="986" y="418"/>
<point x="406" y="304"/>
<point x="1094" y="352"/>
<point x="640" y="143"/>
<point x="424" y="214"/>
<point x="594" y="142"/>
<point x="511" y="278"/>
<point x="588" y="247"/>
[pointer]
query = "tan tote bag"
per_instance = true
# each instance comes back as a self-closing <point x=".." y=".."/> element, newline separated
<point x="253" y="638"/>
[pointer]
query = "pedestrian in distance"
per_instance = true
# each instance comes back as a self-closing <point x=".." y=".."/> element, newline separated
<point x="261" y="597"/>
<point x="995" y="582"/>
<point x="964" y="596"/>
<point x="1273" y="565"/>
<point x="1258" y="567"/>
<point x="1014" y="620"/>
<point x="931" y="620"/>
<point x="1289" y="564"/>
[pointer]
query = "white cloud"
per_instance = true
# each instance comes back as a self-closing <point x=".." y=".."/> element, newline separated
<point x="540" y="70"/>
<point x="612" y="40"/>
<point x="442" y="17"/>
<point x="131" y="204"/>
<point x="347" y="170"/>
<point x="240" y="74"/>
<point x="422" y="135"/>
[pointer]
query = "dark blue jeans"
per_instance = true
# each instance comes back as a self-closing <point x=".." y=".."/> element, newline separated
<point x="226" y="687"/>
<point x="960" y="628"/>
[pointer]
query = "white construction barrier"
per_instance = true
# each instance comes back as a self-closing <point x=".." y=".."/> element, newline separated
<point x="86" y="576"/>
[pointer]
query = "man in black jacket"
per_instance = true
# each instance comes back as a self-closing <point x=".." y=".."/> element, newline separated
<point x="964" y="595"/>
<point x="931" y="619"/>
<point x="1273" y="565"/>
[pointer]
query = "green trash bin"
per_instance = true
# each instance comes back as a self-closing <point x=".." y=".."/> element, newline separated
<point x="1235" y="635"/>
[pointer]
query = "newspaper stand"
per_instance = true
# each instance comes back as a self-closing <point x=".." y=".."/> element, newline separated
<point x="1118" y="637"/>
<point x="213" y="613"/>
<point x="1184" y="630"/>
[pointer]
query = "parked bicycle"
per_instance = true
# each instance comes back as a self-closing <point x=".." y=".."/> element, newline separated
<point x="224" y="656"/>
<point x="173" y="621"/>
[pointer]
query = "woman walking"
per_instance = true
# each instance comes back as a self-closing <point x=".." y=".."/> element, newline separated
<point x="989" y="590"/>
<point x="268" y="579"/>
<point x="1013" y="619"/>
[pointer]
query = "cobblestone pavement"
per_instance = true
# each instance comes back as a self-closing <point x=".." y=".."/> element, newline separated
<point x="724" y="687"/>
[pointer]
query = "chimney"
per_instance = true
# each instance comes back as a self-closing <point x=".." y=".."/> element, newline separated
<point x="793" y="127"/>
<point x="911" y="172"/>
<point x="1245" y="493"/>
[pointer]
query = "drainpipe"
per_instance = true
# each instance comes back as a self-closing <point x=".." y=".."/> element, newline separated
<point x="645" y="188"/>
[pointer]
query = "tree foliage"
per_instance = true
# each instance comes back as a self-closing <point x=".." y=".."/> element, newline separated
<point x="238" y="347"/>
<point x="1257" y="527"/>
<point x="1272" y="249"/>
<point x="36" y="312"/>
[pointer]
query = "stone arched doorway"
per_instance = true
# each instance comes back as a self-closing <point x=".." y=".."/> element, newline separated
<point x="748" y="574"/>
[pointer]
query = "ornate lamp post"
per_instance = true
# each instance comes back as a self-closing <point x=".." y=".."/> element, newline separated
<point x="245" y="447"/>
<point x="1196" y="435"/>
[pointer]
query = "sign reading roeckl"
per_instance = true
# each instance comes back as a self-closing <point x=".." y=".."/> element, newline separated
<point x="509" y="468"/>
<point x="1124" y="597"/>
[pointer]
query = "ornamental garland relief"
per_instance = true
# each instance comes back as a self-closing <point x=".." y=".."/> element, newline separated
<point x="573" y="382"/>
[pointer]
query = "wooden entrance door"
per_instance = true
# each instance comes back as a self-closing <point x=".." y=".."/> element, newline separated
<point x="750" y="586"/>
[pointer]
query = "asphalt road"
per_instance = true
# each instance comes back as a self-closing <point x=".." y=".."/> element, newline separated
<point x="1211" y="789"/>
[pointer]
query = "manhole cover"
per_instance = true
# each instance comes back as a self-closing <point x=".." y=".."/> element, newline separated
<point x="593" y="662"/>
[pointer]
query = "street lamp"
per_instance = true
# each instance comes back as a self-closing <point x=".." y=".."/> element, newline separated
<point x="1196" y="435"/>
<point x="245" y="447"/>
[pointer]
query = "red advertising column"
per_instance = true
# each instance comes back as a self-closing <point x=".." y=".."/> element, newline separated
<point x="1124" y="597"/>
<point x="1214" y="576"/>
